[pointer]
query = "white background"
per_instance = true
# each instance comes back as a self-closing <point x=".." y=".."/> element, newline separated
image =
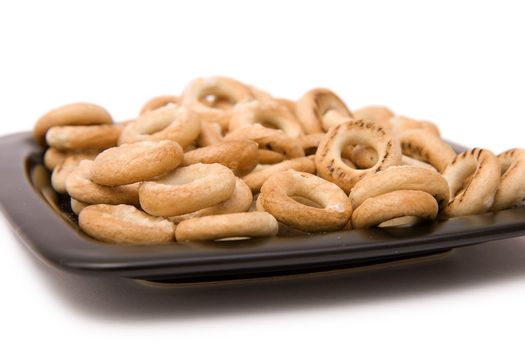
<point x="459" y="64"/>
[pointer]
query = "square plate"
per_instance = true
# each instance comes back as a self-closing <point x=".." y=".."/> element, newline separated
<point x="43" y="219"/>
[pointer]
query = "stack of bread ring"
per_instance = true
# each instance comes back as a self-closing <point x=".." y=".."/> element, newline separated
<point x="226" y="160"/>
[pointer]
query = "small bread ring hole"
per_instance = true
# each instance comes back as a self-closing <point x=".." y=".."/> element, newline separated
<point x="464" y="185"/>
<point x="306" y="201"/>
<point x="217" y="101"/>
<point x="360" y="156"/>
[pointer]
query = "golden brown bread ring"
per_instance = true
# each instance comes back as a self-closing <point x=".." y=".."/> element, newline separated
<point x="157" y="102"/>
<point x="187" y="189"/>
<point x="238" y="155"/>
<point x="210" y="134"/>
<point x="208" y="228"/>
<point x="83" y="137"/>
<point x="376" y="210"/>
<point x="77" y="206"/>
<point x="335" y="207"/>
<point x="256" y="179"/>
<point x="268" y="113"/>
<point x="134" y="162"/>
<point x="170" y="122"/>
<point x="272" y="139"/>
<point x="401" y="124"/>
<point x="328" y="160"/>
<point x="61" y="171"/>
<point x="240" y="201"/>
<point x="379" y="114"/>
<point x="427" y="147"/>
<point x="401" y="178"/>
<point x="220" y="87"/>
<point x="80" y="187"/>
<point x="314" y="104"/>
<point x="473" y="178"/>
<point x="72" y="114"/>
<point x="124" y="224"/>
<point x="511" y="190"/>
<point x="269" y="157"/>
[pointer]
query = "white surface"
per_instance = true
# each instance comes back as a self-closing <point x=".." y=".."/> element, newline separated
<point x="458" y="64"/>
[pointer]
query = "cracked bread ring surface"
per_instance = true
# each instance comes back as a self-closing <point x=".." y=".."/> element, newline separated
<point x="276" y="198"/>
<point x="134" y="162"/>
<point x="511" y="189"/>
<point x="124" y="224"/>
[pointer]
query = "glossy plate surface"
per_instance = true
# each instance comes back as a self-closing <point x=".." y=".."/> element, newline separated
<point x="46" y="224"/>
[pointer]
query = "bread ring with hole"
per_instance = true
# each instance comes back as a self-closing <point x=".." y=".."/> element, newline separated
<point x="314" y="104"/>
<point x="134" y="162"/>
<point x="271" y="139"/>
<point x="83" y="137"/>
<point x="392" y="205"/>
<point x="401" y="178"/>
<point x="210" y="134"/>
<point x="72" y="114"/>
<point x="220" y="87"/>
<point x="427" y="147"/>
<point x="401" y="124"/>
<point x="473" y="178"/>
<point x="61" y="171"/>
<point x="124" y="224"/>
<point x="80" y="187"/>
<point x="170" y="122"/>
<point x="267" y="114"/>
<point x="238" y="155"/>
<point x="240" y="201"/>
<point x="328" y="160"/>
<point x="511" y="189"/>
<point x="159" y="101"/>
<point x="275" y="198"/>
<point x="236" y="225"/>
<point x="187" y="189"/>
<point x="257" y="178"/>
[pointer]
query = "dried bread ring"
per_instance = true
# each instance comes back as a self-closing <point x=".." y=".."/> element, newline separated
<point x="207" y="228"/>
<point x="401" y="124"/>
<point x="267" y="114"/>
<point x="157" y="102"/>
<point x="124" y="224"/>
<point x="238" y="155"/>
<point x="134" y="162"/>
<point x="63" y="170"/>
<point x="77" y="206"/>
<point x="511" y="190"/>
<point x="314" y="104"/>
<point x="210" y="134"/>
<point x="475" y="195"/>
<point x="83" y="137"/>
<point x="328" y="160"/>
<point x="385" y="207"/>
<point x="257" y="178"/>
<point x="187" y="189"/>
<point x="80" y="187"/>
<point x="220" y="87"/>
<point x="379" y="114"/>
<point x="266" y="156"/>
<point x="427" y="147"/>
<point x="170" y="122"/>
<point x="239" y="202"/>
<point x="275" y="198"/>
<point x="72" y="114"/>
<point x="397" y="178"/>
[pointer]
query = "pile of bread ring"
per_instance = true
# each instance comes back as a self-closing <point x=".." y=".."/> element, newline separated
<point x="226" y="160"/>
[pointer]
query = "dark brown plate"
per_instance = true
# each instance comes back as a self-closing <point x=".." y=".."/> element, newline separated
<point x="46" y="224"/>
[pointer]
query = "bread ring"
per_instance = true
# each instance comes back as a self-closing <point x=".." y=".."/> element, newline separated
<point x="207" y="228"/>
<point x="172" y="123"/>
<point x="80" y="187"/>
<point x="476" y="195"/>
<point x="401" y="178"/>
<point x="392" y="205"/>
<point x="124" y="224"/>
<point x="187" y="189"/>
<point x="256" y="179"/>
<point x="77" y="206"/>
<point x="220" y="87"/>
<point x="314" y="104"/>
<point x="159" y="101"/>
<point x="401" y="124"/>
<point x="238" y="155"/>
<point x="134" y="162"/>
<point x="511" y="190"/>
<point x="82" y="137"/>
<point x="72" y="114"/>
<point x="328" y="160"/>
<point x="379" y="114"/>
<point x="61" y="171"/>
<point x="275" y="198"/>
<point x="272" y="139"/>
<point x="210" y="134"/>
<point x="427" y="147"/>
<point x="267" y="114"/>
<point x="239" y="202"/>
